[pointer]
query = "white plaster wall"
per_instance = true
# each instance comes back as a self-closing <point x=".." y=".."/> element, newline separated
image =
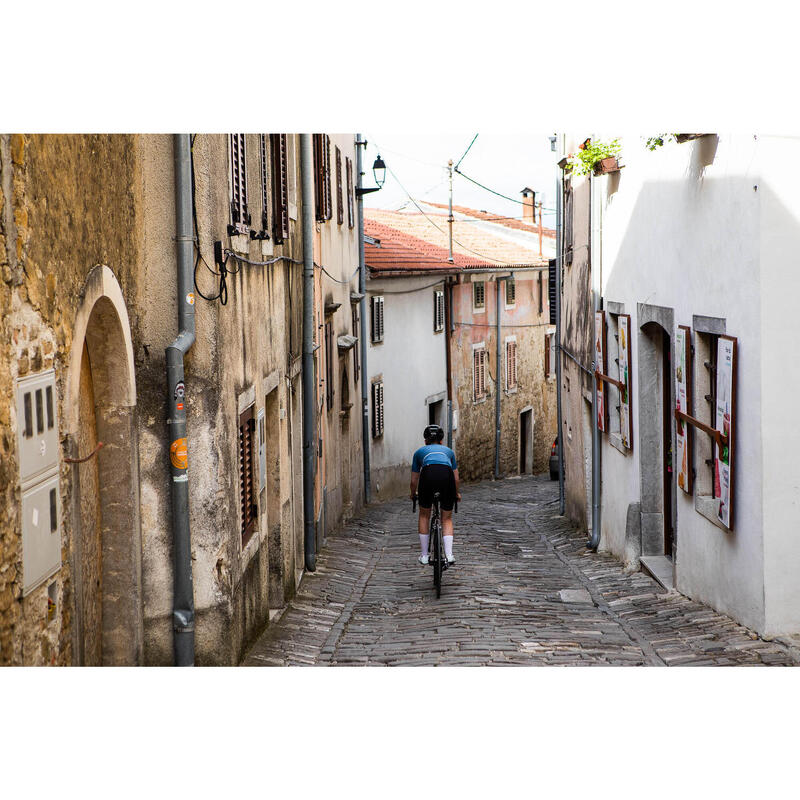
<point x="684" y="234"/>
<point x="780" y="379"/>
<point x="412" y="360"/>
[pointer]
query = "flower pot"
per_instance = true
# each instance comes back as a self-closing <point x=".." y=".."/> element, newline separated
<point x="605" y="165"/>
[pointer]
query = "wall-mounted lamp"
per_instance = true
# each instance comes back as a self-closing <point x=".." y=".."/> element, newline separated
<point x="379" y="173"/>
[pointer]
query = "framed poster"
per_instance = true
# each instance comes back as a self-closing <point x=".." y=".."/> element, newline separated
<point x="683" y="402"/>
<point x="601" y="366"/>
<point x="625" y="423"/>
<point x="725" y="422"/>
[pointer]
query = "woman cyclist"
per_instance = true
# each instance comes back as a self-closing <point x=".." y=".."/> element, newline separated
<point x="434" y="469"/>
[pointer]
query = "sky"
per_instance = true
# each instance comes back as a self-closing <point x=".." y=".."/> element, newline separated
<point x="506" y="163"/>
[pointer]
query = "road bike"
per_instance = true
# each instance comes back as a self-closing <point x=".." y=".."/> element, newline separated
<point x="436" y="555"/>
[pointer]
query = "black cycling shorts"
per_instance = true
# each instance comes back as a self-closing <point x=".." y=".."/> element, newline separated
<point x="437" y="478"/>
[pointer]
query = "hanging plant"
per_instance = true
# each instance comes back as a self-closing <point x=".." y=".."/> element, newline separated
<point x="654" y="142"/>
<point x="597" y="157"/>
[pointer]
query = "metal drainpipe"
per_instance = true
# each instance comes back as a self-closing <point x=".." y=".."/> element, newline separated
<point x="448" y="364"/>
<point x="309" y="382"/>
<point x="183" y="596"/>
<point x="559" y="244"/>
<point x="362" y="288"/>
<point x="497" y="386"/>
<point x="595" y="265"/>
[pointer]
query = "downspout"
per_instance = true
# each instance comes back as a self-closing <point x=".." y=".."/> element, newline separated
<point x="595" y="265"/>
<point x="559" y="264"/>
<point x="448" y="316"/>
<point x="309" y="383"/>
<point x="362" y="288"/>
<point x="497" y="387"/>
<point x="183" y="595"/>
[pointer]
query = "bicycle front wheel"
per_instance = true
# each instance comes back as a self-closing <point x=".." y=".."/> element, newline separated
<point x="437" y="558"/>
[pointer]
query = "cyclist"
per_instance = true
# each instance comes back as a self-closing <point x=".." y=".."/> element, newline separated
<point x="434" y="469"/>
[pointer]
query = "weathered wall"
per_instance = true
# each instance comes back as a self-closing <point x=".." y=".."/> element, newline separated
<point x="475" y="434"/>
<point x="69" y="203"/>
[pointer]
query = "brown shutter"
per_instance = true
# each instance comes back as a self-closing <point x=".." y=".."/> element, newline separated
<point x="339" y="196"/>
<point x="329" y="390"/>
<point x="357" y="334"/>
<point x="350" y="214"/>
<point x="280" y="188"/>
<point x="326" y="150"/>
<point x="240" y="218"/>
<point x="547" y="355"/>
<point x="319" y="178"/>
<point x="249" y="506"/>
<point x="264" y="190"/>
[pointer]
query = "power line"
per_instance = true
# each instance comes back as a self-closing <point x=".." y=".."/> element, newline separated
<point x="466" y="151"/>
<point x="499" y="194"/>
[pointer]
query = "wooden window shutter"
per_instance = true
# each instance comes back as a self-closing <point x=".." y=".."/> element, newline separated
<point x="547" y="355"/>
<point x="329" y="388"/>
<point x="240" y="217"/>
<point x="280" y="187"/>
<point x="264" y="190"/>
<point x="568" y="226"/>
<point x="377" y="319"/>
<point x="513" y="364"/>
<point x="350" y="195"/>
<point x="319" y="178"/>
<point x="249" y="506"/>
<point x="511" y="292"/>
<point x="339" y="196"/>
<point x="377" y="409"/>
<point x="326" y="151"/>
<point x="356" y="333"/>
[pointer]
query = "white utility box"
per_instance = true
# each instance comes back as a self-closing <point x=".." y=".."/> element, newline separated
<point x="41" y="533"/>
<point x="37" y="427"/>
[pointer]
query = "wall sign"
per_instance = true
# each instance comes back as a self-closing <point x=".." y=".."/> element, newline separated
<point x="683" y="402"/>
<point x="601" y="366"/>
<point x="725" y="422"/>
<point x="625" y="423"/>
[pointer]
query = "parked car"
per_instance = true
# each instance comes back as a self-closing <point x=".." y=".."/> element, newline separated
<point x="554" y="461"/>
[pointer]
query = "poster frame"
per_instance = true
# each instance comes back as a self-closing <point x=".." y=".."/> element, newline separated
<point x="626" y="383"/>
<point x="601" y="367"/>
<point x="731" y="430"/>
<point x="688" y="429"/>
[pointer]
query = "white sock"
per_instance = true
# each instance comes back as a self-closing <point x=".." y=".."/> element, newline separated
<point x="448" y="546"/>
<point x="424" y="538"/>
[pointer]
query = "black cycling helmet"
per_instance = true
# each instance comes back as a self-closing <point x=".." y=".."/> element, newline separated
<point x="433" y="433"/>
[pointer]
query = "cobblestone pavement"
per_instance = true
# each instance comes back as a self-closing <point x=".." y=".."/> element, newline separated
<point x="524" y="591"/>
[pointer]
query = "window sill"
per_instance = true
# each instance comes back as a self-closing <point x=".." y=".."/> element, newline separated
<point x="513" y="389"/>
<point x="479" y="310"/>
<point x="706" y="506"/>
<point x="293" y="211"/>
<point x="240" y="243"/>
<point x="267" y="247"/>
<point x="615" y="440"/>
<point x="480" y="400"/>
<point x="511" y="307"/>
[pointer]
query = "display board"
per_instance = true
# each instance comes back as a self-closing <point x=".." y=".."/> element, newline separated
<point x="683" y="402"/>
<point x="601" y="366"/>
<point x="625" y="422"/>
<point x="725" y="423"/>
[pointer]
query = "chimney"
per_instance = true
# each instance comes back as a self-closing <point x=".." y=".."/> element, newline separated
<point x="528" y="205"/>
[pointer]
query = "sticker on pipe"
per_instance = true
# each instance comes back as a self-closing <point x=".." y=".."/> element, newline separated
<point x="190" y="298"/>
<point x="179" y="454"/>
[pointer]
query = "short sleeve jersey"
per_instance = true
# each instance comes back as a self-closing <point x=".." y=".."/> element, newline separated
<point x="433" y="454"/>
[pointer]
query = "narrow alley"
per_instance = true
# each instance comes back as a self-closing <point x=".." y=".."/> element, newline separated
<point x="524" y="591"/>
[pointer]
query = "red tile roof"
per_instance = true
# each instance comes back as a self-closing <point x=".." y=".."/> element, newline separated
<point x="508" y="222"/>
<point x="478" y="246"/>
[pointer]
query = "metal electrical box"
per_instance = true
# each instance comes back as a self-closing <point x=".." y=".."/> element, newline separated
<point x="41" y="533"/>
<point x="37" y="437"/>
<point x="37" y="426"/>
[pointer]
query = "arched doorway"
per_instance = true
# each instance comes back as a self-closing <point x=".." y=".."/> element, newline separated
<point x="106" y="541"/>
<point x="656" y="431"/>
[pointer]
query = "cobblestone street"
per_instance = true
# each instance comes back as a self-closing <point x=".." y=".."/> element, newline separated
<point x="524" y="591"/>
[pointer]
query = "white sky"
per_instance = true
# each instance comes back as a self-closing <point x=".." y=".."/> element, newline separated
<point x="504" y="162"/>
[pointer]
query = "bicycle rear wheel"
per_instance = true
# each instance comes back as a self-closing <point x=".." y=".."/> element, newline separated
<point x="437" y="557"/>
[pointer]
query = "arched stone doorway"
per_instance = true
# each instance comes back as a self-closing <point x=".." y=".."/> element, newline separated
<point x="106" y="541"/>
<point x="656" y="431"/>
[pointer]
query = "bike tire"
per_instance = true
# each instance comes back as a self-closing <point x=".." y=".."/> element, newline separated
<point x="437" y="558"/>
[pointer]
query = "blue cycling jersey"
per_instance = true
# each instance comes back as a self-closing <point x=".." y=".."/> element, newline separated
<point x="433" y="454"/>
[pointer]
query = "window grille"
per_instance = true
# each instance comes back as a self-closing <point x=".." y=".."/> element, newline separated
<point x="377" y="409"/>
<point x="479" y="373"/>
<point x="247" y="427"/>
<point x="479" y="295"/>
<point x="240" y="217"/>
<point x="511" y="292"/>
<point x="339" y="200"/>
<point x="377" y="319"/>
<point x="511" y="365"/>
<point x="280" y="187"/>
<point x="438" y="310"/>
<point x="350" y="194"/>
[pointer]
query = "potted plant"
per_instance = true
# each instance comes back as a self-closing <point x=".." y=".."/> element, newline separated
<point x="597" y="157"/>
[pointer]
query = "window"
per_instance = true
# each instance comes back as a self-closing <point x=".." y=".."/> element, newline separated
<point x="511" y="362"/>
<point x="541" y="292"/>
<point x="350" y="211"/>
<point x="377" y="409"/>
<point x="356" y="333"/>
<point x="479" y="372"/>
<point x="247" y="427"/>
<point x="438" y="310"/>
<point x="511" y="292"/>
<point x="262" y="141"/>
<point x="549" y="355"/>
<point x="329" y="390"/>
<point x="322" y="176"/>
<point x="479" y="296"/>
<point x="551" y="290"/>
<point x="280" y="188"/>
<point x="339" y="200"/>
<point x="377" y="319"/>
<point x="240" y="217"/>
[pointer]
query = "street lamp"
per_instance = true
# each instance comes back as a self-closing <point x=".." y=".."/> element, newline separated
<point x="378" y="172"/>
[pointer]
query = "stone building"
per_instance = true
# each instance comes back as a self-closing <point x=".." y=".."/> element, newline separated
<point x="88" y="302"/>
<point x="492" y="252"/>
<point x="689" y="248"/>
